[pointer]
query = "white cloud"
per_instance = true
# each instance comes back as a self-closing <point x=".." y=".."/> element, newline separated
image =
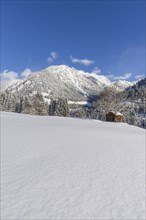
<point x="53" y="56"/>
<point x="110" y="76"/>
<point x="7" y="77"/>
<point x="123" y="77"/>
<point x="27" y="72"/>
<point x="140" y="76"/>
<point x="50" y="59"/>
<point x="85" y="62"/>
<point x="96" y="70"/>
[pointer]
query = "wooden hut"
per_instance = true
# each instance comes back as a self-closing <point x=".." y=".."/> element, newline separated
<point x="114" y="117"/>
<point x="118" y="117"/>
<point x="110" y="116"/>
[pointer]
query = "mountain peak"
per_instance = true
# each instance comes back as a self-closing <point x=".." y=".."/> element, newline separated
<point x="61" y="81"/>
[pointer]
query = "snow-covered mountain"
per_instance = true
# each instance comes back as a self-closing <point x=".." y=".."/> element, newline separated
<point x="122" y="84"/>
<point x="61" y="81"/>
<point x="8" y="83"/>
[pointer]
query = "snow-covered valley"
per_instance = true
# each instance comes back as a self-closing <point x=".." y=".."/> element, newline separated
<point x="65" y="168"/>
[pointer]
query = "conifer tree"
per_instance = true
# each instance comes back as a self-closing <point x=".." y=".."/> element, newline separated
<point x="39" y="105"/>
<point x="59" y="107"/>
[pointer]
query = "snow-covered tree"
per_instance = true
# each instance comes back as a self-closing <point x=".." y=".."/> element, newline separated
<point x="27" y="106"/>
<point x="109" y="100"/>
<point x="8" y="102"/>
<point x="59" y="107"/>
<point x="39" y="105"/>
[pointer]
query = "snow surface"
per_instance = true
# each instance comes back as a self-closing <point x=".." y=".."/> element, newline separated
<point x="65" y="168"/>
<point x="80" y="103"/>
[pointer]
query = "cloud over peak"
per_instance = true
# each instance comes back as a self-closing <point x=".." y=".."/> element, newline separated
<point x="96" y="70"/>
<point x="139" y="76"/>
<point x="27" y="72"/>
<point x="85" y="62"/>
<point x="121" y="77"/>
<point x="7" y="77"/>
<point x="53" y="56"/>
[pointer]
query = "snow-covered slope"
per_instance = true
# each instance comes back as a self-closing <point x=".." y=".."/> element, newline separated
<point x="61" y="81"/>
<point x="5" y="84"/>
<point x="122" y="84"/>
<point x="64" y="168"/>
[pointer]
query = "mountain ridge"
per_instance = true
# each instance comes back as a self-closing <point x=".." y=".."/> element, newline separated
<point x="62" y="81"/>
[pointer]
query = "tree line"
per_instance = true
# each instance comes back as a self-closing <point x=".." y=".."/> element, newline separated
<point x="130" y="102"/>
<point x="33" y="105"/>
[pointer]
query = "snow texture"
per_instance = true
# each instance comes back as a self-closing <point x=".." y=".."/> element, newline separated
<point x="80" y="103"/>
<point x="65" y="168"/>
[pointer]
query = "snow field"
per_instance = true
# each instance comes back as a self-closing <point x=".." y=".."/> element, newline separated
<point x="65" y="168"/>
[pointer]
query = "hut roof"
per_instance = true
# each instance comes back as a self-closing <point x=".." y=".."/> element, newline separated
<point x="110" y="112"/>
<point x="115" y="113"/>
<point x="118" y="113"/>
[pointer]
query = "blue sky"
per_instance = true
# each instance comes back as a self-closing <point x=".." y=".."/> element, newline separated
<point x="107" y="37"/>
